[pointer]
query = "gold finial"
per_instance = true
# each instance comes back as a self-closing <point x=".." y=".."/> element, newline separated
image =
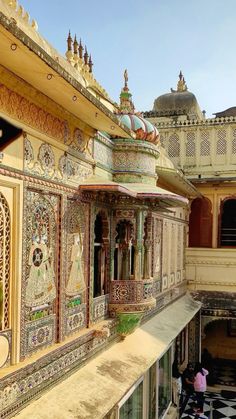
<point x="126" y="77"/>
<point x="181" y="85"/>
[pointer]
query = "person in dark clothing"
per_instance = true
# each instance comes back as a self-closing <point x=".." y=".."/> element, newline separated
<point x="188" y="379"/>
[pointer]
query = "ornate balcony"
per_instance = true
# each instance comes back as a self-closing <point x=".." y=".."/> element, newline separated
<point x="130" y="296"/>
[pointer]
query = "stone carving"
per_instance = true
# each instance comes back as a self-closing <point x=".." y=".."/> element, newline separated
<point x="103" y="154"/>
<point x="72" y="170"/>
<point x="29" y="152"/>
<point x="24" y="110"/>
<point x="46" y="157"/>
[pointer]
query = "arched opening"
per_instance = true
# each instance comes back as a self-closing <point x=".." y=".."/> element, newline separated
<point x="200" y="223"/>
<point x="218" y="351"/>
<point x="228" y="223"/>
<point x="124" y="251"/>
<point x="100" y="255"/>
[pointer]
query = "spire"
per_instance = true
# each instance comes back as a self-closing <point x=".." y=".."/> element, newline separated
<point x="69" y="53"/>
<point x="69" y="42"/>
<point x="126" y="104"/>
<point x="181" y="85"/>
<point x="81" y="48"/>
<point x="75" y="45"/>
<point x="126" y="79"/>
<point x="90" y="64"/>
<point x="85" y="56"/>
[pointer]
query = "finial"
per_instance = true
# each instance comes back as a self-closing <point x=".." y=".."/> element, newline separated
<point x="81" y="48"/>
<point x="126" y="78"/>
<point x="69" y="42"/>
<point x="86" y="56"/>
<point x="126" y="104"/>
<point x="90" y="64"/>
<point x="181" y="85"/>
<point x="75" y="45"/>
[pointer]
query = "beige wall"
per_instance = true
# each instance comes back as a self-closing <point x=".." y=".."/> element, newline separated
<point x="211" y="269"/>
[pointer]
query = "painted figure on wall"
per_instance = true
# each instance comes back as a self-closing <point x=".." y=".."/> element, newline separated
<point x="76" y="282"/>
<point x="41" y="288"/>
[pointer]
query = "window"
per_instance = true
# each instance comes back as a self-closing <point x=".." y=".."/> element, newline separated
<point x="101" y="246"/>
<point x="164" y="383"/>
<point x="200" y="223"/>
<point x="98" y="288"/>
<point x="228" y="223"/>
<point x="152" y="391"/>
<point x="133" y="407"/>
<point x="124" y="251"/>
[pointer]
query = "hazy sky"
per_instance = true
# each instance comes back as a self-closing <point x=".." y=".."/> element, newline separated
<point x="153" y="39"/>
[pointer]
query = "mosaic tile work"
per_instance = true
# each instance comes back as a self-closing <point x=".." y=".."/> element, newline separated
<point x="23" y="385"/>
<point x="100" y="308"/>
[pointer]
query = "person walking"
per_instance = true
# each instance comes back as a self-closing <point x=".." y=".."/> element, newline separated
<point x="200" y="385"/>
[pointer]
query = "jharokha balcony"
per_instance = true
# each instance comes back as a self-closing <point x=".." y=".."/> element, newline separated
<point x="129" y="296"/>
<point x="129" y="299"/>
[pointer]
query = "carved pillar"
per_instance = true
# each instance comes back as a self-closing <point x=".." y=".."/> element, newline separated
<point x="138" y="247"/>
<point x="125" y="263"/>
<point x="194" y="338"/>
<point x="148" y="260"/>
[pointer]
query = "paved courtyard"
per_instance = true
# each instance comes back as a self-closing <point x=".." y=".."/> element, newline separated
<point x="223" y="406"/>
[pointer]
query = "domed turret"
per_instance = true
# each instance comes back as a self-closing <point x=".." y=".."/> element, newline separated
<point x="178" y="102"/>
<point x="143" y="129"/>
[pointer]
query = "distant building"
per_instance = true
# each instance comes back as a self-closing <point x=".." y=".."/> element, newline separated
<point x="204" y="150"/>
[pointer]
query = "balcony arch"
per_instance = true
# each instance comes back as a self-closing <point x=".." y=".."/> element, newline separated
<point x="227" y="223"/>
<point x="200" y="223"/>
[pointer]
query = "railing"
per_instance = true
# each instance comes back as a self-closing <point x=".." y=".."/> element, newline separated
<point x="131" y="291"/>
<point x="191" y="122"/>
<point x="228" y="237"/>
<point x="131" y="296"/>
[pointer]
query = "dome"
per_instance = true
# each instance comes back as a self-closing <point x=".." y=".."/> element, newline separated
<point x="143" y="129"/>
<point x="178" y="102"/>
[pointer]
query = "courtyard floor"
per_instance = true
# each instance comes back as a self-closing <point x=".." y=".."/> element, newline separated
<point x="223" y="406"/>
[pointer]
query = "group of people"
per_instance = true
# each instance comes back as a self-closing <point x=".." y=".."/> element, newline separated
<point x="193" y="381"/>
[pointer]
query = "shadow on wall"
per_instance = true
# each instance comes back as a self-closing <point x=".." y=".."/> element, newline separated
<point x="220" y="339"/>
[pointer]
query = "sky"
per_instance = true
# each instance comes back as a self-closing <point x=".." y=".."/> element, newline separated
<point x="154" y="40"/>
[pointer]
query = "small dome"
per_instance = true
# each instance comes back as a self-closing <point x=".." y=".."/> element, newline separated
<point x="143" y="129"/>
<point x="178" y="102"/>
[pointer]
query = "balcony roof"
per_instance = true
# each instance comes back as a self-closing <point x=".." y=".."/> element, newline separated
<point x="135" y="190"/>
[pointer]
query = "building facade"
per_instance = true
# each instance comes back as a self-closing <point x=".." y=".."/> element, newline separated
<point x="204" y="150"/>
<point x="93" y="291"/>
